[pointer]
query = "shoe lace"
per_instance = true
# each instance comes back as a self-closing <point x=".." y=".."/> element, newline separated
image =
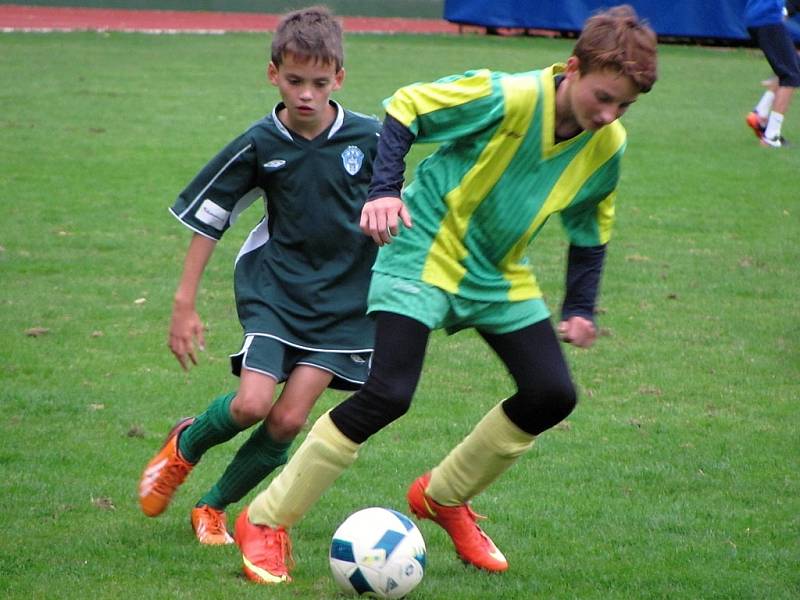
<point x="173" y="475"/>
<point x="279" y="547"/>
<point x="470" y="515"/>
<point x="214" y="520"/>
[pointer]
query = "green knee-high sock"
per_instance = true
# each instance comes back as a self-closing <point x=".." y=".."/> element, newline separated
<point x="256" y="459"/>
<point x="214" y="426"/>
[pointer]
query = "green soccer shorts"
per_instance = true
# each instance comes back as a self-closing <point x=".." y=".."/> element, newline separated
<point x="437" y="309"/>
<point x="272" y="357"/>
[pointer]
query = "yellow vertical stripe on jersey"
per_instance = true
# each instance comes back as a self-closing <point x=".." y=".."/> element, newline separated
<point x="443" y="266"/>
<point x="411" y="101"/>
<point x="549" y="146"/>
<point x="586" y="162"/>
<point x="605" y="217"/>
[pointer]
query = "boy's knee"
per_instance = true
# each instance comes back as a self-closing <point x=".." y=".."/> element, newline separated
<point x="249" y="408"/>
<point x="565" y="399"/>
<point x="393" y="399"/>
<point x="536" y="410"/>
<point x="285" y="424"/>
<point x="369" y="410"/>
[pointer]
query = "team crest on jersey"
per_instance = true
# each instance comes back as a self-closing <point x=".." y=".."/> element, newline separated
<point x="352" y="157"/>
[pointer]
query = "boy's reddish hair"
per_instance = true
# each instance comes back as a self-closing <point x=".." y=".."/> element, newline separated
<point x="617" y="39"/>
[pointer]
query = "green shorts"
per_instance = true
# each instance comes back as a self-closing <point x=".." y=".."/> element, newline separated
<point x="437" y="309"/>
<point x="272" y="357"/>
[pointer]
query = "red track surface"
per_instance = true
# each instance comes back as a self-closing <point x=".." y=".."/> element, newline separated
<point x="41" y="18"/>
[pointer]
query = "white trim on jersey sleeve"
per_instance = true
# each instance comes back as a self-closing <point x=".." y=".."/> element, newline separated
<point x="213" y="179"/>
<point x="194" y="229"/>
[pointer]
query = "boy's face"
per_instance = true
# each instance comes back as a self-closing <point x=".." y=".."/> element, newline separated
<point x="598" y="98"/>
<point x="305" y="86"/>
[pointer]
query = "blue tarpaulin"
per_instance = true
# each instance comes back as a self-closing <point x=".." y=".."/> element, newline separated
<point x="717" y="19"/>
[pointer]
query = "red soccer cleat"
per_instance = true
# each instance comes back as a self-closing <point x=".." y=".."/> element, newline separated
<point x="266" y="552"/>
<point x="472" y="544"/>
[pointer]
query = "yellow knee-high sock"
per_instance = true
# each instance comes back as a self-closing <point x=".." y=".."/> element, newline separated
<point x="321" y="458"/>
<point x="485" y="454"/>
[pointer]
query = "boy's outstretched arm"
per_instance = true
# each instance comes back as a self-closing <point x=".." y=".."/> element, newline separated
<point x="186" y="328"/>
<point x="381" y="215"/>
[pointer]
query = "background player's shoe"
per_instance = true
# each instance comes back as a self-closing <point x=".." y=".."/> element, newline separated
<point x="164" y="473"/>
<point x="754" y="122"/>
<point x="266" y="552"/>
<point x="778" y="142"/>
<point x="210" y="526"/>
<point x="472" y="544"/>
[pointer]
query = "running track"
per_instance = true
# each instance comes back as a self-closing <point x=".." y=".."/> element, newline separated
<point x="43" y="19"/>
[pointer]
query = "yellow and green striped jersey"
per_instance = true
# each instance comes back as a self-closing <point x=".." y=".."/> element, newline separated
<point x="495" y="179"/>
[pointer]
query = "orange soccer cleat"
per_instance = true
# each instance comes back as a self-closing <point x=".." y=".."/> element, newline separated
<point x="754" y="122"/>
<point x="473" y="546"/>
<point x="210" y="526"/>
<point x="164" y="473"/>
<point x="266" y="552"/>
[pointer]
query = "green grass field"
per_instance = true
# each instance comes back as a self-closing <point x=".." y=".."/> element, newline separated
<point x="678" y="476"/>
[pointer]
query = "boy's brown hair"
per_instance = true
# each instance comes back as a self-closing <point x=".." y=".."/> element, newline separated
<point x="617" y="39"/>
<point x="309" y="33"/>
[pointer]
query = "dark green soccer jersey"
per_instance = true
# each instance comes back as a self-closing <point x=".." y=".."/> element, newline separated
<point x="495" y="180"/>
<point x="302" y="274"/>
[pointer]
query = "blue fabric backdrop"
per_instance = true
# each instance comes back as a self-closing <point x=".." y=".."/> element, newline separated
<point x="680" y="18"/>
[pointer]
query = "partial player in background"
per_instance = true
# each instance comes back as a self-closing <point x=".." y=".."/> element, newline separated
<point x="516" y="149"/>
<point x="764" y="20"/>
<point x="301" y="278"/>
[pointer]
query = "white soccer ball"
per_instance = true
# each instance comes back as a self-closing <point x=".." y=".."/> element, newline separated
<point x="377" y="552"/>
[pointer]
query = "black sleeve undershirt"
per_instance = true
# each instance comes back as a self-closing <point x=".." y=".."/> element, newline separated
<point x="584" y="268"/>
<point x="389" y="168"/>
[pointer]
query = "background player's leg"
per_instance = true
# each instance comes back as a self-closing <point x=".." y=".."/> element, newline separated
<point x="228" y="415"/>
<point x="268" y="445"/>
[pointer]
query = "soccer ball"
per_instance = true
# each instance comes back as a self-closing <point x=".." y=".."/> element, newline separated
<point x="377" y="552"/>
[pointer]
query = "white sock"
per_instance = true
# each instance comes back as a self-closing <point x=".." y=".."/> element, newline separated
<point x="773" y="130"/>
<point x="765" y="105"/>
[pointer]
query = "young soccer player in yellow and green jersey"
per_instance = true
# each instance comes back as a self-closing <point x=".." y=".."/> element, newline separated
<point x="490" y="187"/>
<point x="515" y="150"/>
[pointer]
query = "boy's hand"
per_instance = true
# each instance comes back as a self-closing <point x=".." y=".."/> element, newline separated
<point x="379" y="218"/>
<point x="577" y="331"/>
<point x="186" y="328"/>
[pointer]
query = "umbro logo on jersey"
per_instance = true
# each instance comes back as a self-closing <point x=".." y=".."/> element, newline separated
<point x="274" y="164"/>
<point x="352" y="157"/>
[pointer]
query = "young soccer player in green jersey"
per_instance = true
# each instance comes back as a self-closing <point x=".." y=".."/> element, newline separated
<point x="301" y="278"/>
<point x="515" y="150"/>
